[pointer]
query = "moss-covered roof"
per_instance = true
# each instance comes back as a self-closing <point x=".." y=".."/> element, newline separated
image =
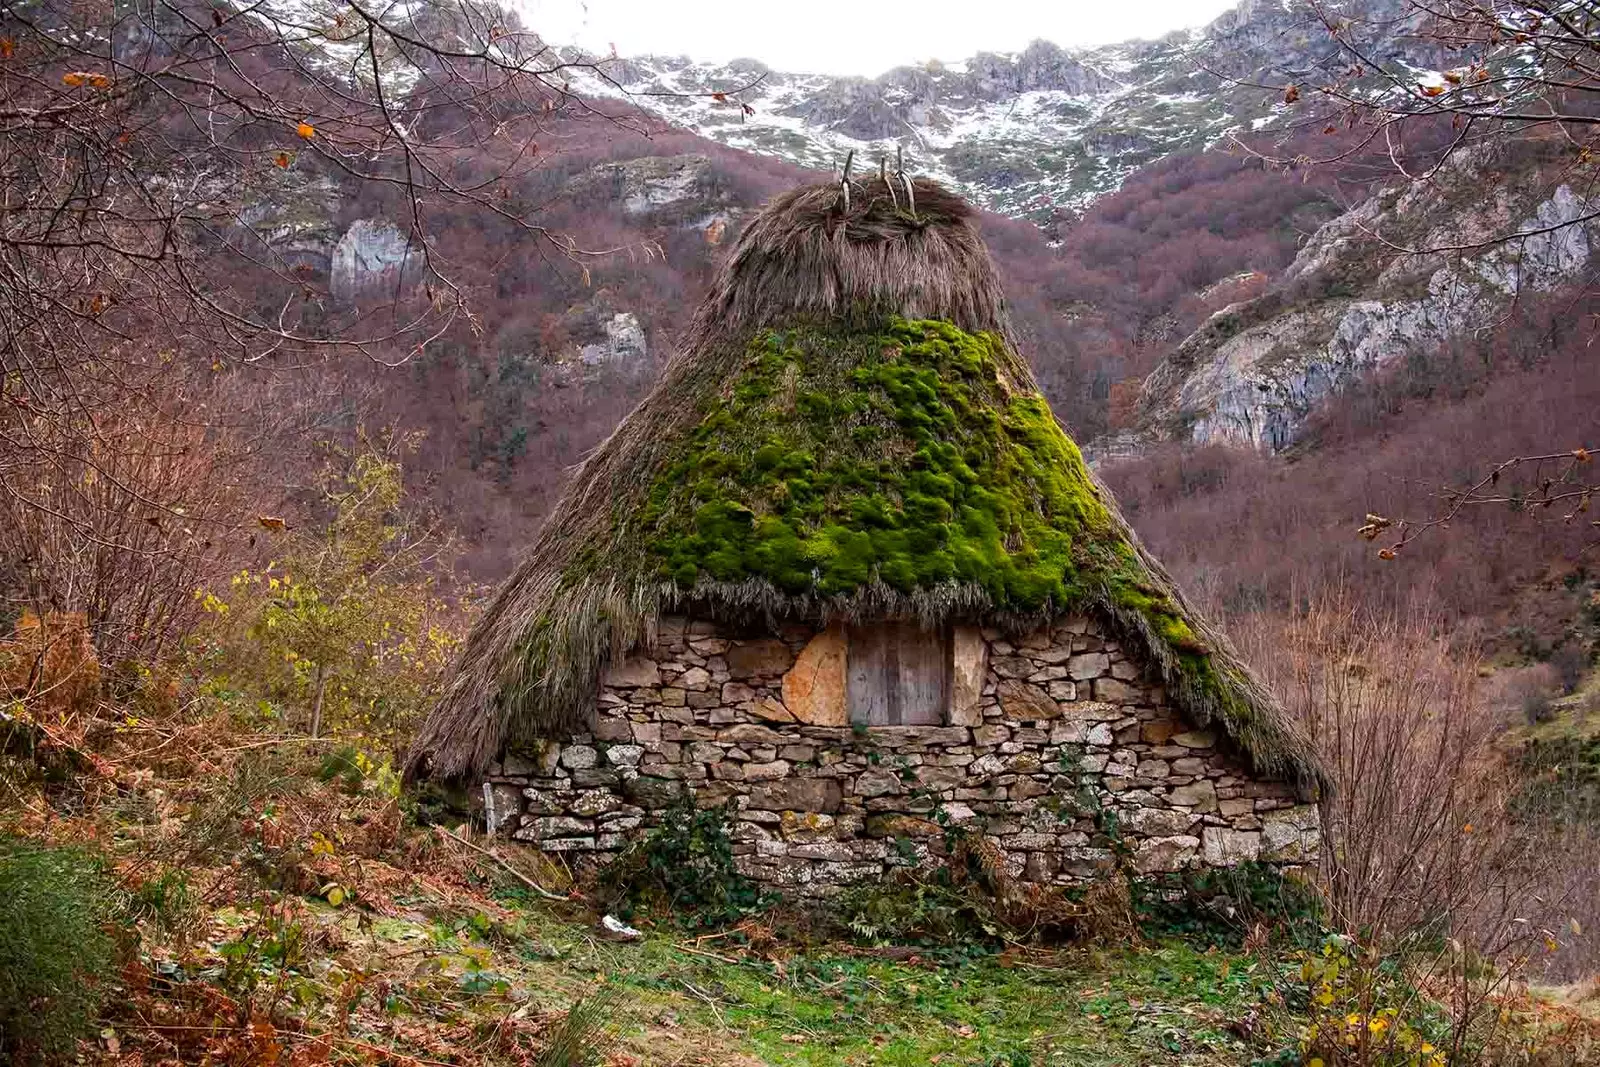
<point x="834" y="458"/>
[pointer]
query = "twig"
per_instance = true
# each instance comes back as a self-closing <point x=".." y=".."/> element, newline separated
<point x="710" y="1003"/>
<point x="708" y="955"/>
<point x="518" y="875"/>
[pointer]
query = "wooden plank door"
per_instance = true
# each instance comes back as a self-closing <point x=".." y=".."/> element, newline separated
<point x="899" y="675"/>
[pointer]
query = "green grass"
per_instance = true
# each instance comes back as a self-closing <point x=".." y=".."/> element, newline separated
<point x="1165" y="1003"/>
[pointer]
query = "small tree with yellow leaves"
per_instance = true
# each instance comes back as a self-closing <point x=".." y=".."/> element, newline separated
<point x="352" y="621"/>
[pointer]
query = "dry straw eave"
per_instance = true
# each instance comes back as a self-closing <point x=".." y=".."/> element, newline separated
<point x="817" y="296"/>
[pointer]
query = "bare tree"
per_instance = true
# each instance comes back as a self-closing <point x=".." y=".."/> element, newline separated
<point x="157" y="159"/>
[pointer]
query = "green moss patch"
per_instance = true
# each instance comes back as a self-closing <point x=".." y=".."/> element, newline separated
<point x="835" y="459"/>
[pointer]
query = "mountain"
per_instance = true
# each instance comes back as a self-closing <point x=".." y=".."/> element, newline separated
<point x="1398" y="277"/>
<point x="1036" y="134"/>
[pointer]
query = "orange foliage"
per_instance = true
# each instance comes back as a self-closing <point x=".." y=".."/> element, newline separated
<point x="51" y="661"/>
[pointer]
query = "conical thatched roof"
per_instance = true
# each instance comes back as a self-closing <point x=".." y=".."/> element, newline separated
<point x="848" y="433"/>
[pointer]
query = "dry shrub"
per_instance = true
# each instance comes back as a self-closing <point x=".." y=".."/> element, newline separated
<point x="1434" y="869"/>
<point x="50" y="662"/>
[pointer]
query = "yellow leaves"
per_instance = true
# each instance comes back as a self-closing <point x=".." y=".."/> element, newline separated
<point x="1386" y="554"/>
<point x="282" y="160"/>
<point x="321" y="845"/>
<point x="77" y="79"/>
<point x="272" y="522"/>
<point x="1467" y="829"/>
<point x="8" y="47"/>
<point x="1428" y="89"/>
<point x="334" y="893"/>
<point x="1375" y="524"/>
<point x="1582" y="455"/>
<point x="1291" y="94"/>
<point x="306" y="130"/>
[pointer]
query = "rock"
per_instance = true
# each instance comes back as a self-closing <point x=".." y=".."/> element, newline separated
<point x="767" y="658"/>
<point x="1159" y="822"/>
<point x="1114" y="692"/>
<point x="814" y="688"/>
<point x="1158" y="732"/>
<point x="1087" y="666"/>
<point x="762" y="772"/>
<point x="579" y="757"/>
<point x="1200" y="797"/>
<point x="373" y="256"/>
<point x="768" y="709"/>
<point x="797" y="794"/>
<point x="877" y="783"/>
<point x="1023" y="702"/>
<point x="737" y="693"/>
<point x="897" y="825"/>
<point x="991" y="735"/>
<point x="1291" y="835"/>
<point x="806" y="826"/>
<point x="748" y="733"/>
<point x="652" y="793"/>
<point x="1161" y="854"/>
<point x="696" y="679"/>
<point x="612" y="728"/>
<point x="1224" y="847"/>
<point x="969" y="666"/>
<point x="632" y="673"/>
<point x="624" y="343"/>
<point x="592" y="802"/>
<point x="1196" y="739"/>
<point x="624" y="755"/>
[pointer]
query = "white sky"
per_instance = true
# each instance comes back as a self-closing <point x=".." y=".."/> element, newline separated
<point x="864" y="37"/>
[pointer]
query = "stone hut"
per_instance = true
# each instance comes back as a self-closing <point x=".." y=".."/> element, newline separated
<point x="844" y="569"/>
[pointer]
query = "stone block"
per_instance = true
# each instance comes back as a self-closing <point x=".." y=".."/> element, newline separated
<point x="991" y="735"/>
<point x="1158" y="822"/>
<point x="1125" y="670"/>
<point x="1114" y="692"/>
<point x="1091" y="665"/>
<point x="1160" y="854"/>
<point x="797" y="753"/>
<point x="895" y="824"/>
<point x="1291" y="835"/>
<point x="1200" y="797"/>
<point x="767" y="709"/>
<point x="807" y="826"/>
<point x="877" y="783"/>
<point x="970" y="664"/>
<point x="624" y="755"/>
<point x="579" y="757"/>
<point x="749" y="733"/>
<point x="632" y="672"/>
<point x="766" y="658"/>
<point x="1224" y="847"/>
<point x="814" y="688"/>
<point x="1012" y="666"/>
<point x="1023" y="702"/>
<point x="695" y="679"/>
<point x="592" y="802"/>
<point x="1195" y="739"/>
<point x="612" y="728"/>
<point x="737" y="693"/>
<point x="797" y="794"/>
<point x="765" y="772"/>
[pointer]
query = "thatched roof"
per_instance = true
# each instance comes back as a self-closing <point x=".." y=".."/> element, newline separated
<point x="848" y="433"/>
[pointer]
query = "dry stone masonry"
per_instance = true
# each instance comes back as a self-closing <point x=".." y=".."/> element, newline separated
<point x="1059" y="748"/>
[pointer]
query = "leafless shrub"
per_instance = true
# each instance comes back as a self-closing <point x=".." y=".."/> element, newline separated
<point x="1433" y="859"/>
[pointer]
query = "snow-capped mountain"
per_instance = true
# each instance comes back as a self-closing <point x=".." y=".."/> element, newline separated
<point x="1033" y="134"/>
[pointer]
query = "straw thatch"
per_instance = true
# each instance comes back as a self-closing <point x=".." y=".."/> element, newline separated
<point x="848" y="433"/>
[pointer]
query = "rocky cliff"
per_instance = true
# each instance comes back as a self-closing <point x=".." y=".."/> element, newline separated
<point x="1398" y="276"/>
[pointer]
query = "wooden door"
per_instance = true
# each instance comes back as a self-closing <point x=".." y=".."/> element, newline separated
<point x="899" y="675"/>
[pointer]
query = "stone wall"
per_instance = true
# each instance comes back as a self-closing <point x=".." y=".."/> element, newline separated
<point x="1059" y="749"/>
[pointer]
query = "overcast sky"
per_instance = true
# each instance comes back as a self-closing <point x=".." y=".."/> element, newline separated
<point x="864" y="37"/>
